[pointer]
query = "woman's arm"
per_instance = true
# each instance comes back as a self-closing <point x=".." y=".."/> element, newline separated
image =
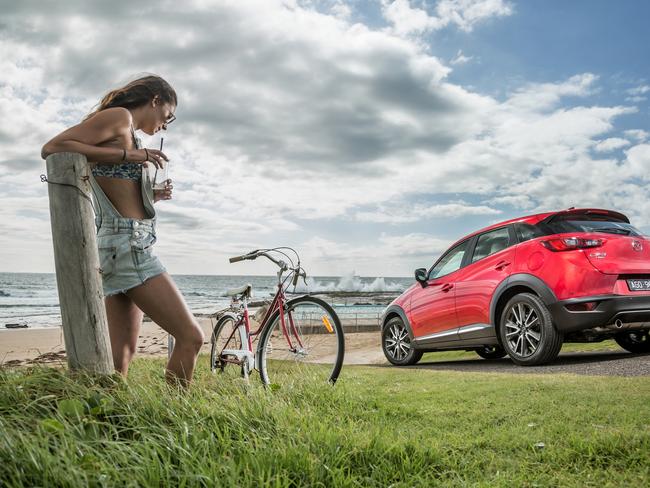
<point x="101" y="127"/>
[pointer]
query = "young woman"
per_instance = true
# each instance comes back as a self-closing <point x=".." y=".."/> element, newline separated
<point x="134" y="280"/>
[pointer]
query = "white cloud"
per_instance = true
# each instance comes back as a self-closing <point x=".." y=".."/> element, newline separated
<point x="300" y="121"/>
<point x="460" y="58"/>
<point x="639" y="90"/>
<point x="638" y="134"/>
<point x="393" y="213"/>
<point x="637" y="94"/>
<point x="467" y="13"/>
<point x="546" y="96"/>
<point x="464" y="14"/>
<point x="388" y="255"/>
<point x="611" y="144"/>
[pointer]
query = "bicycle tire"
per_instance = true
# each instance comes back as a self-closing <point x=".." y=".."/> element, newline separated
<point x="331" y="345"/>
<point x="217" y="345"/>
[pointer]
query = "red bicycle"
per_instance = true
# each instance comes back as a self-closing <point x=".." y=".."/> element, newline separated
<point x="301" y="336"/>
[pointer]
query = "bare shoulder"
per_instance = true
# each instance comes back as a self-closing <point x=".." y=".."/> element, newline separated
<point x="118" y="117"/>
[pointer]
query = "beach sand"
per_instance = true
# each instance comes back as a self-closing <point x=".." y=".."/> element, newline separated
<point x="46" y="345"/>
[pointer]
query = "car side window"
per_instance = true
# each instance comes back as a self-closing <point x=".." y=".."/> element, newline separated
<point x="490" y="243"/>
<point x="526" y="232"/>
<point x="450" y="262"/>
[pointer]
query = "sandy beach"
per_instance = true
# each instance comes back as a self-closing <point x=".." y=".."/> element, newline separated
<point x="46" y="345"/>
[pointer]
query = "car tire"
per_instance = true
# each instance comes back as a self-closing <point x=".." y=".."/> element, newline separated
<point x="637" y="341"/>
<point x="396" y="344"/>
<point x="491" y="352"/>
<point x="527" y="331"/>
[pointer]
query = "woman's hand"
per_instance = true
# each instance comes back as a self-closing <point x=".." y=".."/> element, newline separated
<point x="165" y="193"/>
<point x="145" y="156"/>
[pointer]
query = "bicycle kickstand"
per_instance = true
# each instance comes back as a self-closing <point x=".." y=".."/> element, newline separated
<point x="244" y="371"/>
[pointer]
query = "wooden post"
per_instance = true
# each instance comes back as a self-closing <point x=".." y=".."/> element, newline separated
<point x="85" y="328"/>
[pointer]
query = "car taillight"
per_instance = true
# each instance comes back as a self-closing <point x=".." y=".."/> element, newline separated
<point x="570" y="243"/>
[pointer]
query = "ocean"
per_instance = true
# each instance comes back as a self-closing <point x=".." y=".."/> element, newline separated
<point x="33" y="297"/>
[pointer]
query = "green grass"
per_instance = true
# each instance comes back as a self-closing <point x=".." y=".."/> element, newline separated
<point x="377" y="427"/>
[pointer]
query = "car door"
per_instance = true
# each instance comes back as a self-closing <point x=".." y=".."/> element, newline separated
<point x="432" y="307"/>
<point x="491" y="262"/>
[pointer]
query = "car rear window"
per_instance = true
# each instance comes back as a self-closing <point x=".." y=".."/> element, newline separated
<point x="590" y="225"/>
<point x="575" y="223"/>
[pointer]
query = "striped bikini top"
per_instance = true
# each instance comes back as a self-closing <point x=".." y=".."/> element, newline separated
<point x="130" y="171"/>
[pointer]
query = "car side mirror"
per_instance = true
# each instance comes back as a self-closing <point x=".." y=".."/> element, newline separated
<point x="421" y="276"/>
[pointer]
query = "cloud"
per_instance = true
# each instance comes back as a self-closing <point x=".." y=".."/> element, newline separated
<point x="294" y="118"/>
<point x="464" y="14"/>
<point x="393" y="213"/>
<point x="460" y="58"/>
<point x="637" y="94"/>
<point x="639" y="90"/>
<point x="638" y="134"/>
<point x="611" y="144"/>
<point x="546" y="96"/>
<point x="393" y="254"/>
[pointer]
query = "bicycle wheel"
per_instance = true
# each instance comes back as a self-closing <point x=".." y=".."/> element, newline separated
<point x="310" y="346"/>
<point x="225" y="336"/>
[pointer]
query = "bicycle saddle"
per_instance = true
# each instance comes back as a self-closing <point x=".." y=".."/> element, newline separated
<point x="242" y="290"/>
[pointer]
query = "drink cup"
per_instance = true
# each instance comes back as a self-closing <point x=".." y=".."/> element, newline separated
<point x="161" y="176"/>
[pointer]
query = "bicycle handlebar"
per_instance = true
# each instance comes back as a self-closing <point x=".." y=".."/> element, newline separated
<point x="236" y="258"/>
<point x="298" y="272"/>
<point x="250" y="255"/>
<point x="259" y="252"/>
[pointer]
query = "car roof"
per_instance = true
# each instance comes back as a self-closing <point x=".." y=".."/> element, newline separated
<point x="536" y="218"/>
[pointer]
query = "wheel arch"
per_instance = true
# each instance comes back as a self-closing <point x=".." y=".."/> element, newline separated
<point x="396" y="311"/>
<point x="514" y="285"/>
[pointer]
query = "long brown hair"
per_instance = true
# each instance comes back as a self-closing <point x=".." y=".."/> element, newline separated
<point x="137" y="93"/>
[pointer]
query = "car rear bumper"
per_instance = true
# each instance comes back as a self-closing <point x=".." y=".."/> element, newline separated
<point x="609" y="309"/>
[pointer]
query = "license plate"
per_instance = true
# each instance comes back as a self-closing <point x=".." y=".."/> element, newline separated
<point x="638" y="285"/>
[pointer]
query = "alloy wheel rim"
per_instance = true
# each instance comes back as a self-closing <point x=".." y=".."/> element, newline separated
<point x="523" y="329"/>
<point x="397" y="342"/>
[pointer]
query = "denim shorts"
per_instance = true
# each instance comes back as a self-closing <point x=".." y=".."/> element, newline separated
<point x="126" y="256"/>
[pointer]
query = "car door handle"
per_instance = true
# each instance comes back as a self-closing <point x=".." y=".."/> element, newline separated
<point x="501" y="264"/>
<point x="446" y="287"/>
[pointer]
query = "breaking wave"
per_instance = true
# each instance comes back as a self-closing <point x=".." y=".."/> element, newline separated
<point x="349" y="283"/>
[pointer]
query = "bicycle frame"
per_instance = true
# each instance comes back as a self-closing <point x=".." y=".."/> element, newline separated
<point x="243" y="327"/>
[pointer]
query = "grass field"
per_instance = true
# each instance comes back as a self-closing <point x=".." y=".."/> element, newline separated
<point x="376" y="427"/>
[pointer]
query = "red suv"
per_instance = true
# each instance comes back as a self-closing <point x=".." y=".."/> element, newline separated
<point x="526" y="286"/>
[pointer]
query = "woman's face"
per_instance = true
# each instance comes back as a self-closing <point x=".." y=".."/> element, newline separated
<point x="158" y="116"/>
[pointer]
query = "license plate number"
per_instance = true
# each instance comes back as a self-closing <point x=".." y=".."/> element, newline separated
<point x="638" y="285"/>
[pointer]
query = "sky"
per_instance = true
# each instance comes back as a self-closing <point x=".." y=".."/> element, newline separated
<point x="367" y="134"/>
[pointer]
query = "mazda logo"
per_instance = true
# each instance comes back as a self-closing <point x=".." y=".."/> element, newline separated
<point x="637" y="246"/>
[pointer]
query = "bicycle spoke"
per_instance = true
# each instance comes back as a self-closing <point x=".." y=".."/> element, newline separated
<point x="315" y="348"/>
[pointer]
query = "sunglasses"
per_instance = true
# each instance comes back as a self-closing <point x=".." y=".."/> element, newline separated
<point x="169" y="120"/>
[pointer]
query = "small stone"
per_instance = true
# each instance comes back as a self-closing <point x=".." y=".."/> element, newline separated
<point x="540" y="445"/>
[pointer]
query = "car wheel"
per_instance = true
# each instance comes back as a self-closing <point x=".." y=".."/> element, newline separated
<point x="396" y="343"/>
<point x="634" y="341"/>
<point x="491" y="352"/>
<point x="527" y="331"/>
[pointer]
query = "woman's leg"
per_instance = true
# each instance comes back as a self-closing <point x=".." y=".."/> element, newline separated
<point x="124" y="321"/>
<point x="161" y="300"/>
